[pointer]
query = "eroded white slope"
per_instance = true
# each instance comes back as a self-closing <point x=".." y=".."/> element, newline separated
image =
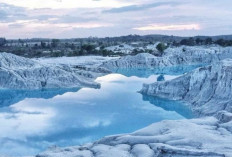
<point x="23" y="73"/>
<point x="205" y="137"/>
<point x="87" y="61"/>
<point x="207" y="89"/>
<point x="139" y="60"/>
<point x="172" y="56"/>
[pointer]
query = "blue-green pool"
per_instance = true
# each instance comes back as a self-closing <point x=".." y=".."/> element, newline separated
<point x="31" y="121"/>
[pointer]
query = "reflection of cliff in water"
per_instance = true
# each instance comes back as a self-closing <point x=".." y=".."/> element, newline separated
<point x="146" y="72"/>
<point x="170" y="105"/>
<point x="9" y="97"/>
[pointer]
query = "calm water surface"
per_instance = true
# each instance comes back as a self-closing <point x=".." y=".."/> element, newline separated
<point x="31" y="121"/>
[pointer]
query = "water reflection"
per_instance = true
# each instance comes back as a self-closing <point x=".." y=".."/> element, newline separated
<point x="37" y="120"/>
<point x="170" y="105"/>
<point x="9" y="97"/>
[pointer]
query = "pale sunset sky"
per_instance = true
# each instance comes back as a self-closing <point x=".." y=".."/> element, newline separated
<point x="101" y="18"/>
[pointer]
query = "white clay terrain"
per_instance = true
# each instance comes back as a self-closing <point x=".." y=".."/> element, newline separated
<point x="124" y="48"/>
<point x="205" y="137"/>
<point x="207" y="90"/>
<point x="23" y="73"/>
<point x="128" y="49"/>
<point x="184" y="55"/>
<point x="87" y="61"/>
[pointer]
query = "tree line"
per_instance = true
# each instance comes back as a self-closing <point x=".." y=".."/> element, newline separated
<point x="207" y="41"/>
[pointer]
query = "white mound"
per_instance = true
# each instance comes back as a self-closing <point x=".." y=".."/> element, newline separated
<point x="23" y="73"/>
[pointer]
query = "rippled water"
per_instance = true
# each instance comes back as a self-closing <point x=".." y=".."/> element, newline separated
<point x="31" y="121"/>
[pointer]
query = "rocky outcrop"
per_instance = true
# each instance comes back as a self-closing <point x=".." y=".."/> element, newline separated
<point x="172" y="56"/>
<point x="23" y="73"/>
<point x="205" y="137"/>
<point x="137" y="61"/>
<point x="207" y="89"/>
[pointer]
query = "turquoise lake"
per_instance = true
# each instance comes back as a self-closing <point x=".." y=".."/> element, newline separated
<point x="32" y="121"/>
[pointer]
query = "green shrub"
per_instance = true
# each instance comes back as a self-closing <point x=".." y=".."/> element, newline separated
<point x="161" y="47"/>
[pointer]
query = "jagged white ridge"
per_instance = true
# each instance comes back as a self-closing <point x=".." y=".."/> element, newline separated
<point x="23" y="73"/>
<point x="205" y="137"/>
<point x="207" y="89"/>
<point x="172" y="56"/>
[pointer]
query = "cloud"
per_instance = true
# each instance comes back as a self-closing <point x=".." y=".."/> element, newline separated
<point x="3" y="15"/>
<point x="172" y="27"/>
<point x="15" y="26"/>
<point x="69" y="18"/>
<point x="74" y="19"/>
<point x="140" y="7"/>
<point x="38" y="25"/>
<point x="11" y="12"/>
<point x="58" y="4"/>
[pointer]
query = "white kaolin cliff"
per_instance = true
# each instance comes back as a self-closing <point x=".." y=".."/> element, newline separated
<point x="23" y="73"/>
<point x="207" y="89"/>
<point x="172" y="56"/>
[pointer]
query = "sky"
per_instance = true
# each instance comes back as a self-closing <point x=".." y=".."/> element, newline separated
<point x="101" y="18"/>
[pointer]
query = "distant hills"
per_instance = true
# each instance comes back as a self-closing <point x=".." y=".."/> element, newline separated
<point x="132" y="38"/>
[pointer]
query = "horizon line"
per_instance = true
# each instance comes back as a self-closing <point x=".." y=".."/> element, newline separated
<point x="120" y="36"/>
